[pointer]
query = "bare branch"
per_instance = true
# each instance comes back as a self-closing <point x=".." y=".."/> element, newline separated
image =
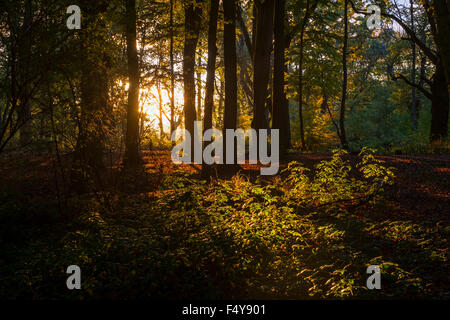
<point x="431" y="54"/>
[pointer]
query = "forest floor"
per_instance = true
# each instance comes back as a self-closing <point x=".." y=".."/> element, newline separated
<point x="162" y="232"/>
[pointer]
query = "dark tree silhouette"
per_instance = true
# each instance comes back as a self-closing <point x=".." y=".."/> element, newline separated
<point x="261" y="61"/>
<point x="132" y="135"/>
<point x="280" y="112"/>
<point x="192" y="24"/>
<point x="230" y="112"/>
<point x="211" y="69"/>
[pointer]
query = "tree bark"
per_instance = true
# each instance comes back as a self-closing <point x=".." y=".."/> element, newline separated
<point x="230" y="112"/>
<point x="413" y="72"/>
<point x="441" y="13"/>
<point x="439" y="107"/>
<point x="211" y="68"/>
<point x="300" y="71"/>
<point x="342" y="134"/>
<point x="244" y="30"/>
<point x="192" y="28"/>
<point x="132" y="157"/>
<point x="24" y="61"/>
<point x="160" y="109"/>
<point x="210" y="73"/>
<point x="261" y="67"/>
<point x="172" y="71"/>
<point x="199" y="86"/>
<point x="280" y="110"/>
<point x="89" y="149"/>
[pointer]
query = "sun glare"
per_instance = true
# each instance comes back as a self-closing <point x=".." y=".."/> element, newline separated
<point x="150" y="103"/>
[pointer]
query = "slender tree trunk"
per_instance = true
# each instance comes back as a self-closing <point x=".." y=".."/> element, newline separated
<point x="212" y="54"/>
<point x="210" y="73"/>
<point x="244" y="30"/>
<point x="230" y="112"/>
<point x="261" y="68"/>
<point x="172" y="72"/>
<point x="300" y="77"/>
<point x="309" y="10"/>
<point x="324" y="105"/>
<point x="132" y="157"/>
<point x="413" y="72"/>
<point x="160" y="118"/>
<point x="287" y="117"/>
<point x="342" y="134"/>
<point x="269" y="99"/>
<point x="422" y="75"/>
<point x="221" y="103"/>
<point x="279" y="106"/>
<point x="141" y="123"/>
<point x="254" y="24"/>
<point x="300" y="99"/>
<point x="24" y="60"/>
<point x="199" y="86"/>
<point x="192" y="29"/>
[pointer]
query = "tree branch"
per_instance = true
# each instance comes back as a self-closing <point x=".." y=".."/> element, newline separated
<point x="428" y="51"/>
<point x="243" y="27"/>
<point x="415" y="85"/>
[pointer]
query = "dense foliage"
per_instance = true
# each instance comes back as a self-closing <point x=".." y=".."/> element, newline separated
<point x="300" y="236"/>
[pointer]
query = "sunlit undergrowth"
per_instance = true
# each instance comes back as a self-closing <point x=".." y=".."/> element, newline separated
<point x="300" y="236"/>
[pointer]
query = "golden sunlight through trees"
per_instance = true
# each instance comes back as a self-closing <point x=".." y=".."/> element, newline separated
<point x="155" y="104"/>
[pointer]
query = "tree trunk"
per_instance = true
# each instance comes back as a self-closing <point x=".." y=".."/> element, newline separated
<point x="300" y="76"/>
<point x="89" y="149"/>
<point x="342" y="134"/>
<point x="308" y="12"/>
<point x="172" y="72"/>
<point x="199" y="86"/>
<point x="287" y="118"/>
<point x="24" y="60"/>
<point x="244" y="30"/>
<point x="279" y="107"/>
<point x="441" y="12"/>
<point x="300" y="93"/>
<point x="160" y="117"/>
<point x="230" y="112"/>
<point x="261" y="68"/>
<point x="132" y="157"/>
<point x="421" y="83"/>
<point x="210" y="73"/>
<point x="221" y="103"/>
<point x="192" y="29"/>
<point x="413" y="72"/>
<point x="439" y="106"/>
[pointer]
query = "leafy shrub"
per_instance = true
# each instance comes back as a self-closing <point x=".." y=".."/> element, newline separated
<point x="333" y="182"/>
